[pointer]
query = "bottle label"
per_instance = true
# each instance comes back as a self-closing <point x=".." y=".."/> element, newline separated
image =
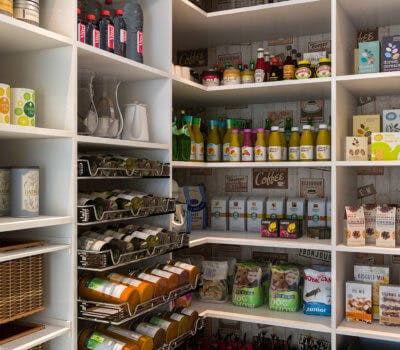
<point x="192" y="150"/>
<point x="30" y="191"/>
<point x="284" y="153"/>
<point x="96" y="38"/>
<point x="173" y="269"/>
<point x="124" y="280"/>
<point x="101" y="341"/>
<point x="275" y="153"/>
<point x="259" y="75"/>
<point x="142" y="235"/>
<point x="108" y="288"/>
<point x="247" y="154"/>
<point x="161" y="273"/>
<point x="147" y="329"/>
<point x="323" y="152"/>
<point x="294" y="153"/>
<point x="226" y="152"/>
<point x="110" y="38"/>
<point x="122" y="36"/>
<point x="213" y="152"/>
<point x="139" y="41"/>
<point x="303" y="73"/>
<point x="199" y="151"/>
<point x="124" y="332"/>
<point x="234" y="154"/>
<point x="149" y="278"/>
<point x="81" y="32"/>
<point x="307" y="152"/>
<point x="164" y="324"/>
<point x="186" y="311"/>
<point x="184" y="266"/>
<point x="177" y="317"/>
<point x="260" y="153"/>
<point x="288" y="72"/>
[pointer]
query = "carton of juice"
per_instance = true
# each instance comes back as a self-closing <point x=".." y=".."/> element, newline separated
<point x="237" y="214"/>
<point x="219" y="213"/>
<point x="255" y="213"/>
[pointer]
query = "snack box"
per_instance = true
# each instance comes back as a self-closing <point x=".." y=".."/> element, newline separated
<point x="219" y="213"/>
<point x="385" y="146"/>
<point x="364" y="125"/>
<point x="195" y="198"/>
<point x="290" y="229"/>
<point x="369" y="57"/>
<point x="316" y="212"/>
<point x="295" y="208"/>
<point x="358" y="302"/>
<point x="391" y="120"/>
<point x="255" y="213"/>
<point x="275" y="208"/>
<point x="385" y="229"/>
<point x="237" y="214"/>
<point x="355" y="226"/>
<point x="270" y="228"/>
<point x="370" y="223"/>
<point x="357" y="148"/>
<point x="390" y="54"/>
<point x="389" y="305"/>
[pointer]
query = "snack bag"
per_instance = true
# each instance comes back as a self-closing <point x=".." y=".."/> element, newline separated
<point x="215" y="281"/>
<point x="317" y="291"/>
<point x="284" y="288"/>
<point x="247" y="287"/>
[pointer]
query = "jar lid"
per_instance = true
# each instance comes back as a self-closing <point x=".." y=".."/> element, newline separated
<point x="324" y="60"/>
<point x="323" y="126"/>
<point x="304" y="62"/>
<point x="260" y="130"/>
<point x="295" y="128"/>
<point x="306" y="127"/>
<point x="275" y="128"/>
<point x="235" y="131"/>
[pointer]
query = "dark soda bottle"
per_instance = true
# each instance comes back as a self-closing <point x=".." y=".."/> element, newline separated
<point x="119" y="33"/>
<point x="81" y="27"/>
<point x="92" y="36"/>
<point x="106" y="28"/>
<point x="133" y="15"/>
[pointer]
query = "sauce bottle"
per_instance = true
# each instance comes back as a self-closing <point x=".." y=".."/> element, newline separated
<point x="106" y="28"/>
<point x="159" y="284"/>
<point x="259" y="74"/>
<point x="99" y="289"/>
<point x="248" y="147"/>
<point x="92" y="339"/>
<point x="213" y="143"/>
<point x="119" y="33"/>
<point x="185" y="139"/>
<point x="275" y="145"/>
<point x="133" y="15"/>
<point x="170" y="327"/>
<point x="172" y="278"/>
<point x="81" y="27"/>
<point x="306" y="144"/>
<point x="267" y="64"/>
<point x="323" y="144"/>
<point x="154" y="332"/>
<point x="234" y="148"/>
<point x="92" y="36"/>
<point x="145" y="290"/>
<point x="294" y="144"/>
<point x="274" y="76"/>
<point x="260" y="149"/>
<point x="142" y="341"/>
<point x="288" y="65"/>
<point x="183" y="274"/>
<point x="283" y="142"/>
<point x="193" y="270"/>
<point x="198" y="139"/>
<point x="230" y="124"/>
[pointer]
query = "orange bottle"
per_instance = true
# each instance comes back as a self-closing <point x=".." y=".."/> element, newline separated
<point x="192" y="314"/>
<point x="142" y="341"/>
<point x="172" y="278"/>
<point x="170" y="327"/>
<point x="159" y="284"/>
<point x="183" y="322"/>
<point x="183" y="274"/>
<point x="98" y="289"/>
<point x="154" y="332"/>
<point x="145" y="290"/>
<point x="90" y="339"/>
<point x="193" y="271"/>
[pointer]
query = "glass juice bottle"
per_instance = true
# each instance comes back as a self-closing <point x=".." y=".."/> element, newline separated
<point x="230" y="125"/>
<point x="323" y="144"/>
<point x="213" y="143"/>
<point x="235" y="146"/>
<point x="248" y="147"/>
<point x="306" y="144"/>
<point x="260" y="149"/>
<point x="294" y="144"/>
<point x="275" y="145"/>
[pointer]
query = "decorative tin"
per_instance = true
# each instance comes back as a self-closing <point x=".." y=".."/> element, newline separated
<point x="4" y="101"/>
<point x="23" y="107"/>
<point x="4" y="191"/>
<point x="25" y="191"/>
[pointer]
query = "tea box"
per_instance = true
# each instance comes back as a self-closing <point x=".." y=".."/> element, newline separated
<point x="358" y="302"/>
<point x="376" y="276"/>
<point x="385" y="146"/>
<point x="237" y="214"/>
<point x="195" y="198"/>
<point x="275" y="208"/>
<point x="219" y="213"/>
<point x="364" y="125"/>
<point x="23" y="107"/>
<point x="370" y="223"/>
<point x="391" y="120"/>
<point x="270" y="228"/>
<point x="290" y="229"/>
<point x="24" y="191"/>
<point x="389" y="301"/>
<point x="355" y="226"/>
<point x="4" y="101"/>
<point x="316" y="212"/>
<point x="255" y="213"/>
<point x="356" y="148"/>
<point x="369" y="57"/>
<point x="390" y="54"/>
<point x="385" y="229"/>
<point x="295" y="208"/>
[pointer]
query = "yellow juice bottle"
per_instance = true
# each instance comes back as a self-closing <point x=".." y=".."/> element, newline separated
<point x="294" y="144"/>
<point x="260" y="149"/>
<point x="306" y="144"/>
<point x="283" y="142"/>
<point x="213" y="143"/>
<point x="235" y="147"/>
<point x="189" y="121"/>
<point x="323" y="144"/>
<point x="198" y="139"/>
<point x="275" y="145"/>
<point x="267" y="133"/>
<point x="230" y="125"/>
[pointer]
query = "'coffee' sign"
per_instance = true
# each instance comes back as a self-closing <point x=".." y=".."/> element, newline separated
<point x="270" y="178"/>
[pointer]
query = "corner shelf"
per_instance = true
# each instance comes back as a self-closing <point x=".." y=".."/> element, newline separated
<point x="372" y="331"/>
<point x="13" y="224"/>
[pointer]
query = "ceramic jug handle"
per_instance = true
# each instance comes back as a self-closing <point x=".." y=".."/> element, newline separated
<point x="121" y="120"/>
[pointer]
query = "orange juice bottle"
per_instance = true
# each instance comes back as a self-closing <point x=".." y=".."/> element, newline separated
<point x="283" y="142"/>
<point x="213" y="143"/>
<point x="235" y="147"/>
<point x="142" y="341"/>
<point x="294" y="144"/>
<point x="275" y="145"/>
<point x="323" y="144"/>
<point x="306" y="144"/>
<point x="145" y="290"/>
<point x="260" y="149"/>
<point x="230" y="125"/>
<point x="198" y="139"/>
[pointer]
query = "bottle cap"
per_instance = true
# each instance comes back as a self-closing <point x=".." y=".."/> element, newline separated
<point x="91" y="17"/>
<point x="214" y="122"/>
<point x="306" y="127"/>
<point x="295" y="128"/>
<point x="119" y="12"/>
<point x="281" y="129"/>
<point x="260" y="49"/>
<point x="275" y="128"/>
<point x="260" y="130"/>
<point x="323" y="126"/>
<point x="78" y="10"/>
<point x="235" y="131"/>
<point x="247" y="130"/>
<point x="105" y="12"/>
<point x="196" y="120"/>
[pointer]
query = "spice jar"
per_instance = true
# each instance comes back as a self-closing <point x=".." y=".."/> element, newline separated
<point x="6" y="7"/>
<point x="247" y="76"/>
<point x="210" y="78"/>
<point x="304" y="70"/>
<point x="324" y="68"/>
<point x="27" y="11"/>
<point x="231" y="76"/>
<point x="25" y="191"/>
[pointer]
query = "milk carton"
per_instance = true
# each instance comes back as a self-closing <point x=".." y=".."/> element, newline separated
<point x="237" y="214"/>
<point x="275" y="208"/>
<point x="255" y="213"/>
<point x="316" y="212"/>
<point x="295" y="208"/>
<point x="219" y="213"/>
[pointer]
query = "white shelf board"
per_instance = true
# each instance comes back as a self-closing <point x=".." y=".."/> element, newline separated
<point x="188" y="92"/>
<point x="106" y="63"/>
<point x="101" y="142"/>
<point x="193" y="27"/>
<point x="373" y="84"/>
<point x="262" y="315"/>
<point x="9" y="131"/>
<point x="228" y="165"/>
<point x="48" y="333"/>
<point x="368" y="163"/>
<point x="17" y="36"/>
<point x="197" y="238"/>
<point x="13" y="224"/>
<point x="23" y="253"/>
<point x="372" y="331"/>
<point x="368" y="249"/>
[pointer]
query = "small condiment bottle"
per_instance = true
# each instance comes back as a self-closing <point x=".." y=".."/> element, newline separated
<point x="183" y="274"/>
<point x="192" y="314"/>
<point x="183" y="321"/>
<point x="259" y="74"/>
<point x="306" y="144"/>
<point x="172" y="278"/>
<point x="247" y="148"/>
<point x="267" y="64"/>
<point x="304" y="70"/>
<point x="294" y="144"/>
<point x="81" y="27"/>
<point x="91" y="336"/>
<point x="323" y="144"/>
<point x="324" y="68"/>
<point x="160" y="284"/>
<point x="247" y="75"/>
<point x="275" y="145"/>
<point x="274" y="69"/>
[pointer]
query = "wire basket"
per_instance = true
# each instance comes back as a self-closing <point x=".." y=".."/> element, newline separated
<point x="21" y="288"/>
<point x="39" y="347"/>
<point x="220" y="5"/>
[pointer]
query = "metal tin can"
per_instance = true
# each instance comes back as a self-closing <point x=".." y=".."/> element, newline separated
<point x="4" y="102"/>
<point x="4" y="191"/>
<point x="6" y="7"/>
<point x="27" y="11"/>
<point x="23" y="107"/>
<point x="24" y="191"/>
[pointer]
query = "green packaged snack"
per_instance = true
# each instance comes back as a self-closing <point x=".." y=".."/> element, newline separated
<point x="247" y="288"/>
<point x="284" y="288"/>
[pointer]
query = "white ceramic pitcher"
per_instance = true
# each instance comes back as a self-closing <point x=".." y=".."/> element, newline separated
<point x="135" y="122"/>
